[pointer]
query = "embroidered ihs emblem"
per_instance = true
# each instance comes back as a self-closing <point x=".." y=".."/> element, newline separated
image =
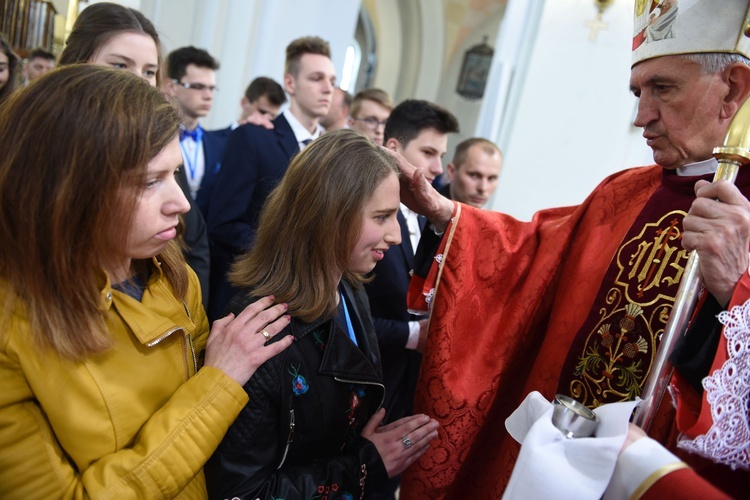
<point x="625" y="326"/>
<point x="299" y="383"/>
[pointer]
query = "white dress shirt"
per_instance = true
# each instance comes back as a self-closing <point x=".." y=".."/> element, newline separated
<point x="302" y="135"/>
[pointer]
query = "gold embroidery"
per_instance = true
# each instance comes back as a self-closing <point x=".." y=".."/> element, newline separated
<point x="619" y="351"/>
<point x="653" y="262"/>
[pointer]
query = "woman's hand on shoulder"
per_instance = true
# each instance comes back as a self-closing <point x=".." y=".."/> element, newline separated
<point x="402" y="442"/>
<point x="237" y="344"/>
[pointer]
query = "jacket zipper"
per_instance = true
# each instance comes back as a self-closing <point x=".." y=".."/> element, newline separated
<point x="289" y="438"/>
<point x="337" y="379"/>
<point x="184" y="356"/>
<point x="164" y="336"/>
<point x="189" y="338"/>
<point x="187" y="346"/>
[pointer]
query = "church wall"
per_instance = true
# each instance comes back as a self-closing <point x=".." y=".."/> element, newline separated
<point x="467" y="111"/>
<point x="432" y="42"/>
<point x="573" y="121"/>
<point x="249" y="37"/>
<point x="386" y="20"/>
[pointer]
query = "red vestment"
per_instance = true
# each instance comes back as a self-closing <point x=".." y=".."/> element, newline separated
<point x="509" y="300"/>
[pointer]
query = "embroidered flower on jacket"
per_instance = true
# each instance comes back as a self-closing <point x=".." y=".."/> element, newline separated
<point x="355" y="399"/>
<point x="326" y="492"/>
<point x="319" y="341"/>
<point x="299" y="383"/>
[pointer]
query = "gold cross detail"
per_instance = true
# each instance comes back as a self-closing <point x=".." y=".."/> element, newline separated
<point x="596" y="25"/>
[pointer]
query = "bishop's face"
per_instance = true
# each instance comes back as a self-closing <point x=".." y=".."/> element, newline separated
<point x="680" y="108"/>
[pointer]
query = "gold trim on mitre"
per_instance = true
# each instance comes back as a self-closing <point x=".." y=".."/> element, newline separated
<point x="674" y="27"/>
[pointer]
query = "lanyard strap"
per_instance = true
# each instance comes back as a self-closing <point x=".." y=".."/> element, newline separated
<point x="348" y="320"/>
<point x="193" y="165"/>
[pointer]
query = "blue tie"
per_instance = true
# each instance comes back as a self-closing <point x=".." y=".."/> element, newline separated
<point x="305" y="142"/>
<point x="193" y="134"/>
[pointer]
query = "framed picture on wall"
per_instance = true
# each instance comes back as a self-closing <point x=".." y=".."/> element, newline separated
<point x="475" y="71"/>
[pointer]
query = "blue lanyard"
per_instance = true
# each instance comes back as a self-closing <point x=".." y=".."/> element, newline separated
<point x="193" y="165"/>
<point x="348" y="321"/>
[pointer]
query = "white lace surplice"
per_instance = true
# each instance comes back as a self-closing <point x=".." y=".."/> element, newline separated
<point x="728" y="394"/>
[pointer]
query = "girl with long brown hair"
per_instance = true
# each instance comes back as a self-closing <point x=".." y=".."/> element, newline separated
<point x="315" y="427"/>
<point x="104" y="386"/>
<point x="8" y="69"/>
<point x="109" y="34"/>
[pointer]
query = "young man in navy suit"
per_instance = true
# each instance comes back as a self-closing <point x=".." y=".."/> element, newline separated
<point x="418" y="130"/>
<point x="191" y="84"/>
<point x="256" y="158"/>
<point x="191" y="74"/>
<point x="260" y="105"/>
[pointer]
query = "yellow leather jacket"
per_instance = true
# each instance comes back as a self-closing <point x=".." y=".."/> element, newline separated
<point x="138" y="421"/>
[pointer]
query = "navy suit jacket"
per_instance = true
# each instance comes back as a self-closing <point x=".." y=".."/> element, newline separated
<point x="224" y="132"/>
<point x="255" y="159"/>
<point x="214" y="144"/>
<point x="195" y="237"/>
<point x="387" y="294"/>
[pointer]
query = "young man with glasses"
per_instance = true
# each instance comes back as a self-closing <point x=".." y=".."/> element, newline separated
<point x="191" y="82"/>
<point x="369" y="111"/>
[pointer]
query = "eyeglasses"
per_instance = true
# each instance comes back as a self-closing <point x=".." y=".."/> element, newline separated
<point x="370" y="122"/>
<point x="199" y="87"/>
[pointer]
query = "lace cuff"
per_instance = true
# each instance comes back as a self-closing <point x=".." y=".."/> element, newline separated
<point x="728" y="393"/>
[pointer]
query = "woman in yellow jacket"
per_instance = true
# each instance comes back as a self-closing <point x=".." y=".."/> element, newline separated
<point x="102" y="332"/>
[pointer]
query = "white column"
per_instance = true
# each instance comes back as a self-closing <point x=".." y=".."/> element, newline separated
<point x="515" y="40"/>
<point x="433" y="50"/>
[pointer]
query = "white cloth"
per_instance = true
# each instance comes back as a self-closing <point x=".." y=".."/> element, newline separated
<point x="636" y="464"/>
<point x="300" y="132"/>
<point x="553" y="466"/>
<point x="413" y="341"/>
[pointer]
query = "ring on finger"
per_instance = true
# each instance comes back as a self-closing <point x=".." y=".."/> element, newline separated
<point x="265" y="333"/>
<point x="407" y="442"/>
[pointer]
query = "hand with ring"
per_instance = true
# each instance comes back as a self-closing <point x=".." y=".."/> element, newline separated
<point x="234" y="345"/>
<point x="402" y="442"/>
